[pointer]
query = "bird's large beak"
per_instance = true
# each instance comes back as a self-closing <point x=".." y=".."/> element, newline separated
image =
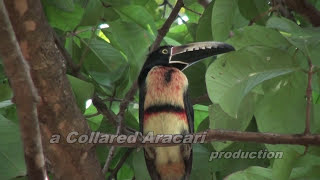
<point x="185" y="55"/>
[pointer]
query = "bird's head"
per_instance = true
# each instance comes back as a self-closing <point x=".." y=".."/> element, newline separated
<point x="183" y="56"/>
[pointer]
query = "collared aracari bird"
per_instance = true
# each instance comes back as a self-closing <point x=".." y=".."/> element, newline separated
<point x="165" y="108"/>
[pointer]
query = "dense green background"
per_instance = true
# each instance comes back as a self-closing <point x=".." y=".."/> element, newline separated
<point x="260" y="87"/>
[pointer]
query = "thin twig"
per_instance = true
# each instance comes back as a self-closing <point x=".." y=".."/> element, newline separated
<point x="105" y="5"/>
<point x="104" y="110"/>
<point x="111" y="153"/>
<point x="92" y="115"/>
<point x="199" y="99"/>
<point x="113" y="96"/>
<point x="84" y="54"/>
<point x="263" y="14"/>
<point x="165" y="28"/>
<point x="74" y="33"/>
<point x="113" y="99"/>
<point x="204" y="3"/>
<point x="191" y="10"/>
<point x="110" y="115"/>
<point x="308" y="95"/>
<point x="171" y="7"/>
<point x="109" y="159"/>
<point x="120" y="164"/>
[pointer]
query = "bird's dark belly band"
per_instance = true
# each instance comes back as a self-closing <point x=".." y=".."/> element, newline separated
<point x="165" y="108"/>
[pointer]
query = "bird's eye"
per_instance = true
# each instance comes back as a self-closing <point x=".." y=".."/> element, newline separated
<point x="164" y="51"/>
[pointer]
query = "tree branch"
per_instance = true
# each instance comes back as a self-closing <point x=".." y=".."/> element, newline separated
<point x="120" y="164"/>
<point x="199" y="99"/>
<point x="191" y="10"/>
<point x="104" y="110"/>
<point x="226" y="135"/>
<point x="204" y="3"/>
<point x="308" y="95"/>
<point x="111" y="153"/>
<point x="18" y="72"/>
<point x="108" y="160"/>
<point x="93" y="115"/>
<point x="304" y="8"/>
<point x="57" y="110"/>
<point x="165" y="27"/>
<point x="255" y="19"/>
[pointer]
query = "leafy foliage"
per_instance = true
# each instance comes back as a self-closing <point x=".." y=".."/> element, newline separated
<point x="260" y="87"/>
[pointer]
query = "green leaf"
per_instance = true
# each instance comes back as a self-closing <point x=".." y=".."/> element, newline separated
<point x="284" y="24"/>
<point x="139" y="166"/>
<point x="193" y="17"/>
<point x="131" y="121"/>
<point x="110" y="14"/>
<point x="239" y="21"/>
<point x="139" y="15"/>
<point x="282" y="168"/>
<point x="302" y="173"/>
<point x="116" y="3"/>
<point x="222" y="19"/>
<point x="196" y="78"/>
<point x="221" y="120"/>
<point x="134" y="42"/>
<point x="103" y="62"/>
<point x="95" y="121"/>
<point x="66" y="5"/>
<point x="204" y="32"/>
<point x="235" y="74"/>
<point x="316" y="97"/>
<point x="226" y="166"/>
<point x="180" y="33"/>
<point x="251" y="9"/>
<point x="171" y="41"/>
<point x="307" y="40"/>
<point x="252" y="173"/>
<point x="5" y="91"/>
<point x="200" y="114"/>
<point x="82" y="91"/>
<point x="282" y="110"/>
<point x="10" y="112"/>
<point x="204" y="125"/>
<point x="11" y="150"/>
<point x="258" y="36"/>
<point x="66" y="21"/>
<point x="125" y="172"/>
<point x="93" y="13"/>
<point x="306" y="166"/>
<point x="200" y="163"/>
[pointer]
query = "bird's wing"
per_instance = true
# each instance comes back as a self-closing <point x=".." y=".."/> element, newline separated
<point x="190" y="116"/>
<point x="189" y="111"/>
<point x="142" y="94"/>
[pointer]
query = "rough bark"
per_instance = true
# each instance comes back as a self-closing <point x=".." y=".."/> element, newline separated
<point x="57" y="110"/>
<point x="26" y="99"/>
